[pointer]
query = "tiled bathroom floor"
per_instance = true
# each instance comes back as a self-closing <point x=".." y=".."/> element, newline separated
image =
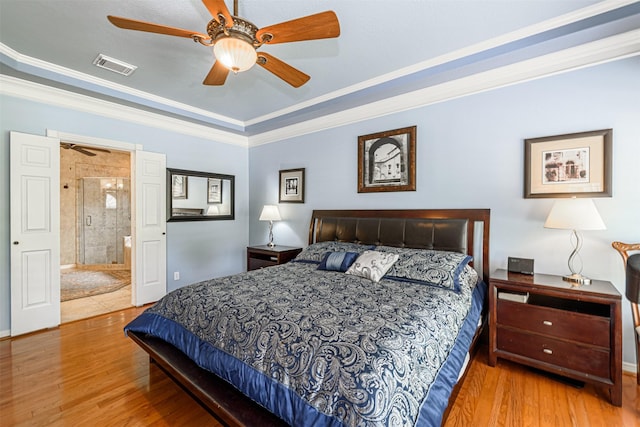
<point x="82" y="308"/>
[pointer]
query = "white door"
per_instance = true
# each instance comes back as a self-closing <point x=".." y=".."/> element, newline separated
<point x="35" y="232"/>
<point x="150" y="266"/>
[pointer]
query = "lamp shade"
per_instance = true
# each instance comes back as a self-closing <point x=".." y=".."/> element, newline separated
<point x="235" y="54"/>
<point x="270" y="213"/>
<point x="574" y="214"/>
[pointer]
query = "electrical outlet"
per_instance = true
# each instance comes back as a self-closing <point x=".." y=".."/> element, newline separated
<point x="176" y="275"/>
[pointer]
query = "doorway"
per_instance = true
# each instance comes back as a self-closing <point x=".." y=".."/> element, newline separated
<point x="95" y="229"/>
<point x="35" y="226"/>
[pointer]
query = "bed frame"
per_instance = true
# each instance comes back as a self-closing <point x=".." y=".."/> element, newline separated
<point x="463" y="230"/>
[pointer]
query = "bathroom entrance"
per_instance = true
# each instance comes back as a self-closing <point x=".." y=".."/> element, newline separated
<point x="95" y="222"/>
<point x="104" y="225"/>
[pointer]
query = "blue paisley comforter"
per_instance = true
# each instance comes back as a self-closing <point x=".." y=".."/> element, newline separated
<point x="325" y="348"/>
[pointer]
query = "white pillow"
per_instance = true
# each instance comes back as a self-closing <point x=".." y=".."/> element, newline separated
<point x="372" y="265"/>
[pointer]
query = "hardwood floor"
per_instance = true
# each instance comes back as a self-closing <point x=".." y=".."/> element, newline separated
<point x="88" y="373"/>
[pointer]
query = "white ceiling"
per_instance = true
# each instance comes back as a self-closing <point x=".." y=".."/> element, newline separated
<point x="386" y="50"/>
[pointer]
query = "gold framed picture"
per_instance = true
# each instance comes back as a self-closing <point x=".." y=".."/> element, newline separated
<point x="387" y="161"/>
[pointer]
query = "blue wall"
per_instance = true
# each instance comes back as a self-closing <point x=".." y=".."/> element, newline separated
<point x="198" y="250"/>
<point x="470" y="154"/>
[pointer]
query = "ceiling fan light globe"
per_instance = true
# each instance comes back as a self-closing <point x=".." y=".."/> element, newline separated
<point x="235" y="54"/>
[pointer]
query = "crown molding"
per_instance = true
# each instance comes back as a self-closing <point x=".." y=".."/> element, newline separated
<point x="101" y="85"/>
<point x="520" y="34"/>
<point x="590" y="54"/>
<point x="18" y="88"/>
<point x="25" y="61"/>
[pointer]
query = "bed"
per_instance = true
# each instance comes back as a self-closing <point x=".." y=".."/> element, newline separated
<point x="371" y="324"/>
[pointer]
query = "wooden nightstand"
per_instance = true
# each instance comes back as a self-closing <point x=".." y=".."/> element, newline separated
<point x="265" y="256"/>
<point x="575" y="332"/>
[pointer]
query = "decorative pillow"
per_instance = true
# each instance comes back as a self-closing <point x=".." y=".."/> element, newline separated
<point x="316" y="251"/>
<point x="372" y="265"/>
<point x="469" y="277"/>
<point x="426" y="266"/>
<point x="337" y="261"/>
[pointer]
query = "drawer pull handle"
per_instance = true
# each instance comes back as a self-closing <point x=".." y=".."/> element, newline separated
<point x="547" y="323"/>
<point x="547" y="351"/>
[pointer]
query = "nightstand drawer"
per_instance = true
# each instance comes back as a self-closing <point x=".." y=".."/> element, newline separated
<point x="267" y="256"/>
<point x="585" y="359"/>
<point x="256" y="263"/>
<point x="573" y="331"/>
<point x="579" y="327"/>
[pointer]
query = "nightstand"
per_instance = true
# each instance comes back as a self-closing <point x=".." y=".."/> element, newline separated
<point x="544" y="322"/>
<point x="266" y="256"/>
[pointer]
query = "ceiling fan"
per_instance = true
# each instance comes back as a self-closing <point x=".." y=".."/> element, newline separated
<point x="235" y="40"/>
<point x="87" y="151"/>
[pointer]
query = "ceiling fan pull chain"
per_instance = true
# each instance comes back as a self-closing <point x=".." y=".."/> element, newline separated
<point x="203" y="41"/>
<point x="266" y="38"/>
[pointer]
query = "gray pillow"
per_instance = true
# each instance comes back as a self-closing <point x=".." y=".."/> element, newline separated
<point x="427" y="266"/>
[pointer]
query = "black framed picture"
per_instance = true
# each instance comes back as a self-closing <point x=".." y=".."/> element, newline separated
<point x="570" y="165"/>
<point x="214" y="190"/>
<point x="291" y="186"/>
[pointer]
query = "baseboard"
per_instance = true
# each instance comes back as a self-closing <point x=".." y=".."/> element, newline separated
<point x="5" y="333"/>
<point x="629" y="368"/>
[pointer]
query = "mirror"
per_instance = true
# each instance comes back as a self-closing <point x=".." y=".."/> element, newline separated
<point x="199" y="196"/>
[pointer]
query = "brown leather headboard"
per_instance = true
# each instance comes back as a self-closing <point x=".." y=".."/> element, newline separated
<point x="441" y="229"/>
<point x="443" y="234"/>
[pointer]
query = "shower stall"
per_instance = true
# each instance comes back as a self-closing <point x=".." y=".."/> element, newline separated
<point x="104" y="220"/>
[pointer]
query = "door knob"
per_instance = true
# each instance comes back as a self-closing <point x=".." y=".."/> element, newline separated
<point x="16" y="242"/>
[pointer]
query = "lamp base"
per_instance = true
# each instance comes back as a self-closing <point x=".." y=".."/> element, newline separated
<point x="271" y="244"/>
<point x="577" y="278"/>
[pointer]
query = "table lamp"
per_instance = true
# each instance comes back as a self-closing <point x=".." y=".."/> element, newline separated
<point x="575" y="214"/>
<point x="270" y="213"/>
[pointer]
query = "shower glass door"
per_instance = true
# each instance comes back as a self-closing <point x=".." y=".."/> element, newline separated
<point x="104" y="219"/>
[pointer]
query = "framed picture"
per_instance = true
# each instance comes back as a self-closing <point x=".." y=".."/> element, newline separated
<point x="387" y="161"/>
<point x="292" y="186"/>
<point x="576" y="164"/>
<point x="179" y="186"/>
<point x="214" y="190"/>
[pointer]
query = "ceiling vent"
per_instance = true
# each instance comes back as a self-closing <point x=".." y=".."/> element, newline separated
<point x="108" y="63"/>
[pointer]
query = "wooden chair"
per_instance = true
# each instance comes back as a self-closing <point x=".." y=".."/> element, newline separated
<point x="632" y="289"/>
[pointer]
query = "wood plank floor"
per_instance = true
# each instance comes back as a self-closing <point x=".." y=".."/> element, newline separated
<point x="88" y="373"/>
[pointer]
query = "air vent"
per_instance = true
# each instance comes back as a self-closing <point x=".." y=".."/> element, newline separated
<point x="108" y="63"/>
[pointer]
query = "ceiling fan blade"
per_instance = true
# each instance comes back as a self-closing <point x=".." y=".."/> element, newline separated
<point x="104" y="150"/>
<point x="286" y="72"/>
<point x="132" y="24"/>
<point x="323" y="25"/>
<point x="217" y="75"/>
<point x="83" y="151"/>
<point x="217" y="7"/>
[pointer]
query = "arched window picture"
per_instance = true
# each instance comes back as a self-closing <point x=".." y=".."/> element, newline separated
<point x="387" y="161"/>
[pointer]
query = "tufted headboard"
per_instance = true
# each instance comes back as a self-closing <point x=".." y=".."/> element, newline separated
<point x="459" y="230"/>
